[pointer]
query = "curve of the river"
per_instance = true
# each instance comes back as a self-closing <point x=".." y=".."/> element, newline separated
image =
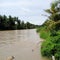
<point x="22" y="44"/>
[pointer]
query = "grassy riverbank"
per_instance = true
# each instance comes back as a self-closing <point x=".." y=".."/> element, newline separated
<point x="50" y="32"/>
<point x="51" y="44"/>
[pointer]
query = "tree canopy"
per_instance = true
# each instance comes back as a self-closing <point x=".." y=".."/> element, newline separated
<point x="50" y="31"/>
<point x="13" y="23"/>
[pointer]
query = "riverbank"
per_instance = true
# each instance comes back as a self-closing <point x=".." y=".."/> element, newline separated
<point x="51" y="42"/>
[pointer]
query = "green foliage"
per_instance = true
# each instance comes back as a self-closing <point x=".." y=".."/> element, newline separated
<point x="46" y="48"/>
<point x="38" y="29"/>
<point x="50" y="31"/>
<point x="51" y="46"/>
<point x="54" y="11"/>
<point x="13" y="23"/>
<point x="44" y="34"/>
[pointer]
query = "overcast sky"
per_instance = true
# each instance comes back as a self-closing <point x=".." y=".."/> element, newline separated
<point x="27" y="10"/>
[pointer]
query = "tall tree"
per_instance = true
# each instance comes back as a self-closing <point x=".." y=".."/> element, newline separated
<point x="54" y="11"/>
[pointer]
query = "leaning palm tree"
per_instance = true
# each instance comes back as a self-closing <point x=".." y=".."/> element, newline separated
<point x="54" y="11"/>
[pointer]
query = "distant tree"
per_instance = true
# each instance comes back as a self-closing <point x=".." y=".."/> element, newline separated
<point x="1" y="22"/>
<point x="19" y="24"/>
<point x="13" y="23"/>
<point x="22" y="25"/>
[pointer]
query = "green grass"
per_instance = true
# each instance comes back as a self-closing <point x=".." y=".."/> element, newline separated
<point x="44" y="34"/>
<point x="51" y="42"/>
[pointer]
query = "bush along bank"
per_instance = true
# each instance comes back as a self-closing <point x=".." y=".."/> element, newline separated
<point x="50" y="32"/>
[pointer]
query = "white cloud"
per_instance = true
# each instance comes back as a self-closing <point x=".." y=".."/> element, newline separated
<point x="13" y="4"/>
<point x="18" y="3"/>
<point x="27" y="10"/>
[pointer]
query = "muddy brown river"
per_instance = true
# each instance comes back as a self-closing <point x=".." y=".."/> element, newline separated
<point x="22" y="44"/>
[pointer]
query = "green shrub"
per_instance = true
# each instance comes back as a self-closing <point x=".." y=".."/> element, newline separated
<point x="51" y="46"/>
<point x="44" y="34"/>
<point x="46" y="48"/>
<point x="38" y="29"/>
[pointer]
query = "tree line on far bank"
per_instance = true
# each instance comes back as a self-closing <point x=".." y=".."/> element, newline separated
<point x="13" y="23"/>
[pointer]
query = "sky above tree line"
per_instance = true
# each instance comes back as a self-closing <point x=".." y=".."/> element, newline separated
<point x="26" y="10"/>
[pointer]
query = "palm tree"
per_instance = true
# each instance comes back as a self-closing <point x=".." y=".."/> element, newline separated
<point x="54" y="11"/>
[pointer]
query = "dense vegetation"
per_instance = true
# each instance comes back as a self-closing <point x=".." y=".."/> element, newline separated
<point x="13" y="23"/>
<point x="50" y="31"/>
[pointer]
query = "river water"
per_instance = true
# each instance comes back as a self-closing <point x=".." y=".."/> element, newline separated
<point x="22" y="44"/>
